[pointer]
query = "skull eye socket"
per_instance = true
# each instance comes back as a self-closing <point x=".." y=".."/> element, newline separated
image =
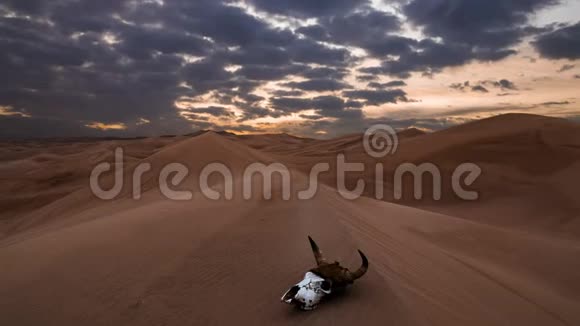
<point x="289" y="296"/>
<point x="326" y="285"/>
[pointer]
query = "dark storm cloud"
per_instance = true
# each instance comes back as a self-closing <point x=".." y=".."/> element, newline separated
<point x="258" y="54"/>
<point x="265" y="72"/>
<point x="88" y="16"/>
<point x="487" y="24"/>
<point x="307" y="8"/>
<point x="311" y="116"/>
<point x="23" y="43"/>
<point x="290" y="104"/>
<point x="285" y="93"/>
<point x="563" y="43"/>
<point x="142" y="43"/>
<point x="70" y="63"/>
<point x="366" y="78"/>
<point x="205" y="73"/>
<point x="468" y="30"/>
<point x="378" y="97"/>
<point x="431" y="57"/>
<point x="216" y="111"/>
<point x="254" y="112"/>
<point x="294" y="50"/>
<point x="28" y="7"/>
<point x="251" y="98"/>
<point x="318" y="85"/>
<point x="235" y="27"/>
<point x="394" y="83"/>
<point x="69" y="71"/>
<point x="315" y="32"/>
<point x="368" y="30"/>
<point x="327" y="106"/>
<point x="325" y="72"/>
<point x="308" y="51"/>
<point x="354" y="104"/>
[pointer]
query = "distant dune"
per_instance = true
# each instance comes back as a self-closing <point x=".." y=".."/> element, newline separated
<point x="509" y="258"/>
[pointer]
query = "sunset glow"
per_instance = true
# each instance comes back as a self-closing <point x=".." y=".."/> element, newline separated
<point x="167" y="67"/>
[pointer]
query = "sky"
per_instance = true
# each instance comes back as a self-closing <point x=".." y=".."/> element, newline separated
<point x="319" y="68"/>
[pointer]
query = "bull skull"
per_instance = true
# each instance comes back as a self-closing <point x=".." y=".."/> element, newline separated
<point x="322" y="280"/>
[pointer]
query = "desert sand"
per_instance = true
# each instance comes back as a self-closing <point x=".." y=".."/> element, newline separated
<point x="510" y="258"/>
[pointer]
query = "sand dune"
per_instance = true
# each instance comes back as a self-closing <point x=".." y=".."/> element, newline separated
<point x="75" y="259"/>
<point x="530" y="166"/>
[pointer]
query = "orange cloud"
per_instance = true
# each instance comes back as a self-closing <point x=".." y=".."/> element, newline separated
<point x="105" y="126"/>
<point x="9" y="111"/>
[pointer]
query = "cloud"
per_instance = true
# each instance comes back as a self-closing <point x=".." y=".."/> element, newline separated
<point x="484" y="24"/>
<point x="503" y="84"/>
<point x="325" y="72"/>
<point x="318" y="85"/>
<point x="459" y="32"/>
<point x="216" y="111"/>
<point x="286" y="93"/>
<point x="566" y="67"/>
<point x="307" y="8"/>
<point x="140" y="43"/>
<point x="467" y="86"/>
<point x="378" y="97"/>
<point x="67" y="64"/>
<point x="251" y="112"/>
<point x="555" y="103"/>
<point x="480" y="89"/>
<point x="308" y="51"/>
<point x="28" y="7"/>
<point x="266" y="73"/>
<point x="10" y="111"/>
<point x="428" y="57"/>
<point x="506" y="94"/>
<point x="105" y="126"/>
<point x="370" y="30"/>
<point x="563" y="43"/>
<point x="311" y="116"/>
<point x="366" y="78"/>
<point x="459" y="86"/>
<point x="326" y="106"/>
<point x="391" y="84"/>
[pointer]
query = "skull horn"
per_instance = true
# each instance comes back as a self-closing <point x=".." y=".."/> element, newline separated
<point x="362" y="270"/>
<point x="317" y="253"/>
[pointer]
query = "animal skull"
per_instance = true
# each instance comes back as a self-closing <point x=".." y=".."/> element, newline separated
<point x="308" y="293"/>
<point x="322" y="280"/>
